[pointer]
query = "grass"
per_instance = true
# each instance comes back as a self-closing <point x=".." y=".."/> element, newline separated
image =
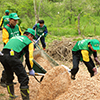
<point x="89" y="26"/>
<point x="2" y="95"/>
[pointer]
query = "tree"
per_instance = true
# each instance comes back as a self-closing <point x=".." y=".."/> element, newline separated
<point x="37" y="9"/>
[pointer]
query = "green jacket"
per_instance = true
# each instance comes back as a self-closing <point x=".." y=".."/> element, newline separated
<point x="5" y="20"/>
<point x="12" y="31"/>
<point x="40" y="30"/>
<point x="17" y="43"/>
<point x="82" y="45"/>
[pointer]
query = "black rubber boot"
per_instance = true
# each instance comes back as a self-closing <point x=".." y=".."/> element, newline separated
<point x="73" y="77"/>
<point x="10" y="89"/>
<point x="25" y="92"/>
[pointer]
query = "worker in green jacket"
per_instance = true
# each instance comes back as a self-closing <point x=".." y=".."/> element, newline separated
<point x="10" y="30"/>
<point x="41" y="29"/>
<point x="12" y="51"/>
<point x="82" y="51"/>
<point x="5" y="19"/>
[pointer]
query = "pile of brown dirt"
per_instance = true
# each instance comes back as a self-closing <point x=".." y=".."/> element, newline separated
<point x="61" y="50"/>
<point x="55" y="82"/>
<point x="83" y="88"/>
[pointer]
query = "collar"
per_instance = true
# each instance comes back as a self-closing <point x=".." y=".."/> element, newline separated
<point x="10" y="26"/>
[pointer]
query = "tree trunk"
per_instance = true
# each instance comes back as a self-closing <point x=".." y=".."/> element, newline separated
<point x="79" y="32"/>
<point x="35" y="10"/>
<point x="39" y="8"/>
<point x="70" y="19"/>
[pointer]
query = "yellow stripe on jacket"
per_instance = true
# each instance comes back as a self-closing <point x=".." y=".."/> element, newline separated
<point x="85" y="55"/>
<point x="5" y="35"/>
<point x="31" y="54"/>
<point x="20" y="31"/>
<point x="1" y="22"/>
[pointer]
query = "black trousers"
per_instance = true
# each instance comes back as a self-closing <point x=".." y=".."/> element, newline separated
<point x="4" y="76"/>
<point x="13" y="65"/>
<point x="42" y="39"/>
<point x="76" y="59"/>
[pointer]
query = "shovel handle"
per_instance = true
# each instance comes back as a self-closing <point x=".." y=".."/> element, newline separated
<point x="38" y="39"/>
<point x="37" y="74"/>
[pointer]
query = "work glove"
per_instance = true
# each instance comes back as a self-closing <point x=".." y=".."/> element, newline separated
<point x="32" y="72"/>
<point x="44" y="34"/>
<point x="95" y="70"/>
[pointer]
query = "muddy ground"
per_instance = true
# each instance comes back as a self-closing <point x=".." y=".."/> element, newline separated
<point x="57" y="84"/>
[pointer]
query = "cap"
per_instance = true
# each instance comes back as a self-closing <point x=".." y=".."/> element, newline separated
<point x="31" y="31"/>
<point x="95" y="44"/>
<point x="6" y="11"/>
<point x="13" y="16"/>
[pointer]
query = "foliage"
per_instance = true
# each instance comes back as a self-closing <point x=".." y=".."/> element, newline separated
<point x="78" y="39"/>
<point x="60" y="16"/>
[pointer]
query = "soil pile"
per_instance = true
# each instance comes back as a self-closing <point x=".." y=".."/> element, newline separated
<point x="84" y="88"/>
<point x="61" y="50"/>
<point x="55" y="82"/>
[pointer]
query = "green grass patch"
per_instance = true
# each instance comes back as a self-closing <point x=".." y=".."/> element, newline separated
<point x="2" y="95"/>
<point x="78" y="39"/>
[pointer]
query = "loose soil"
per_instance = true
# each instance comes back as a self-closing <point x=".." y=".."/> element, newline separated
<point x="57" y="84"/>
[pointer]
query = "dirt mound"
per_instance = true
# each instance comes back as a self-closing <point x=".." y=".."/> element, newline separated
<point x="55" y="82"/>
<point x="83" y="88"/>
<point x="61" y="50"/>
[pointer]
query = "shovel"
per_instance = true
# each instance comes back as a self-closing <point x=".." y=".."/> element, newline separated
<point x="38" y="39"/>
<point x="66" y="68"/>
